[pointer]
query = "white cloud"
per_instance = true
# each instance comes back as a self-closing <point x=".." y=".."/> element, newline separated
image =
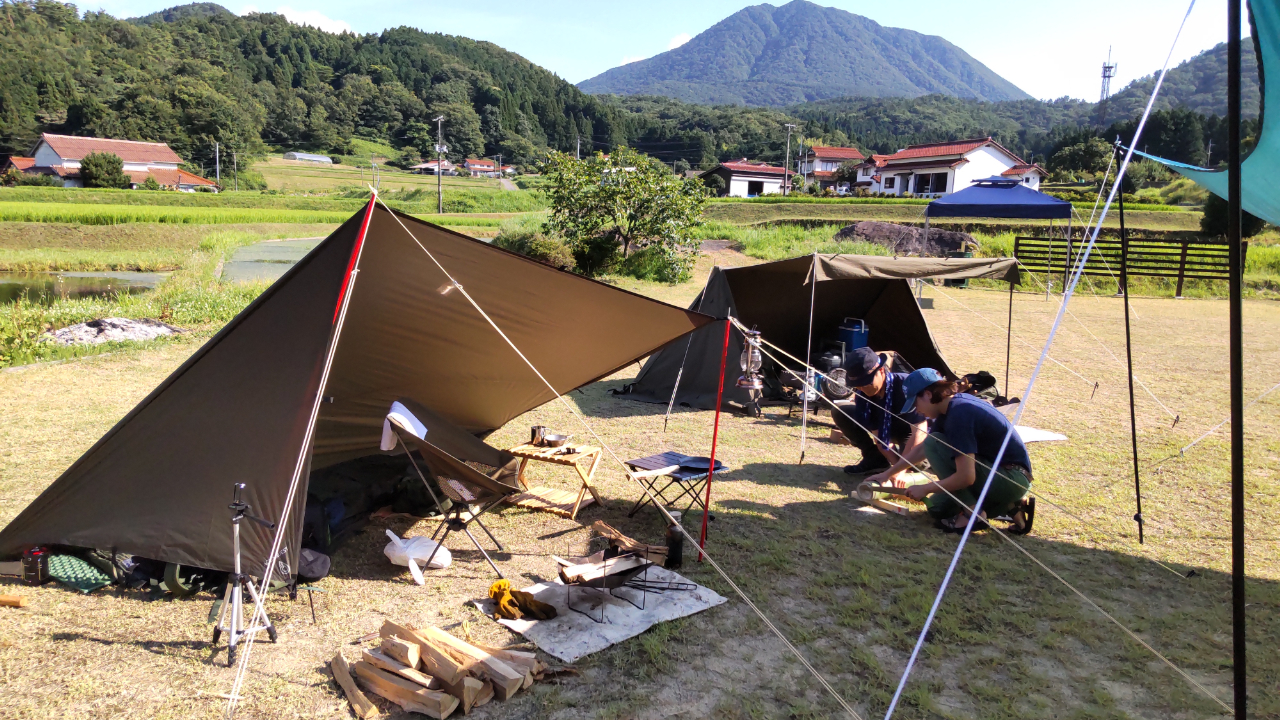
<point x="679" y="40"/>
<point x="314" y="18"/>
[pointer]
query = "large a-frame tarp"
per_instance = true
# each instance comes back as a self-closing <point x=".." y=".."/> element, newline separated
<point x="774" y="298"/>
<point x="158" y="483"/>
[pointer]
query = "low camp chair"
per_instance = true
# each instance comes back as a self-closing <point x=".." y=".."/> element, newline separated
<point x="473" y="492"/>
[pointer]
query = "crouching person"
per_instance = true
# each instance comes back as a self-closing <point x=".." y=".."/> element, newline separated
<point x="869" y="422"/>
<point x="965" y="438"/>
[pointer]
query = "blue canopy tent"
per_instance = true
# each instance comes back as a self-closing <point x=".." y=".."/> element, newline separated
<point x="1260" y="171"/>
<point x="1001" y="197"/>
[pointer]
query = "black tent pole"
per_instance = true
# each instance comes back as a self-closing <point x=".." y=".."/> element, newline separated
<point x="1128" y="351"/>
<point x="1008" y="341"/>
<point x="1237" y="359"/>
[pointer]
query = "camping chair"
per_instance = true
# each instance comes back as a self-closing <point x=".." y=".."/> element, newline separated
<point x="473" y="493"/>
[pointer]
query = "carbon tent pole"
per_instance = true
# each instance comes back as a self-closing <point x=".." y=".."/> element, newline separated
<point x="1128" y="351"/>
<point x="1237" y="360"/>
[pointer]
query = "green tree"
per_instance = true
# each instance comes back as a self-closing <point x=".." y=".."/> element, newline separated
<point x="103" y="170"/>
<point x="848" y="172"/>
<point x="1090" y="156"/>
<point x="608" y="207"/>
<point x="1214" y="220"/>
<point x="150" y="183"/>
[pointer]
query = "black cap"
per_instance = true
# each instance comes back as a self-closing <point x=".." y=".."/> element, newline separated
<point x="861" y="366"/>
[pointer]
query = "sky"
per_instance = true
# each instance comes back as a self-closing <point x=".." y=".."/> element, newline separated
<point x="1049" y="49"/>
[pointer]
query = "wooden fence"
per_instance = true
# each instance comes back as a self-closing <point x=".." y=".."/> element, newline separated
<point x="1111" y="257"/>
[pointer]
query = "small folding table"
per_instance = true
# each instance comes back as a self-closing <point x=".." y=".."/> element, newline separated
<point x="662" y="474"/>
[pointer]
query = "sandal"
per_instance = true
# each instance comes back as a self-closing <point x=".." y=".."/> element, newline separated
<point x="1028" y="512"/>
<point x="954" y="526"/>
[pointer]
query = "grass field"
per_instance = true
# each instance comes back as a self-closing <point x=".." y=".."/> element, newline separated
<point x="849" y="586"/>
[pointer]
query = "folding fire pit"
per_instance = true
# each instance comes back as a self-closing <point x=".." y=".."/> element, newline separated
<point x="611" y="574"/>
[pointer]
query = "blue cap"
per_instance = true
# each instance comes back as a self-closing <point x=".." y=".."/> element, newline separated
<point x="916" y="383"/>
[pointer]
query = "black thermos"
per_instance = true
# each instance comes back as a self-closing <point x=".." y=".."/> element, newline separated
<point x="675" y="544"/>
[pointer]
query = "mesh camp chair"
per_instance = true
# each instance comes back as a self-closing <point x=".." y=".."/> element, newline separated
<point x="456" y="471"/>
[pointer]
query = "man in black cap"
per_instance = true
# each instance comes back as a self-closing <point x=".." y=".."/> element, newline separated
<point x="875" y="390"/>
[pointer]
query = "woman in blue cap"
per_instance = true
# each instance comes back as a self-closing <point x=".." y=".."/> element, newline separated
<point x="965" y="438"/>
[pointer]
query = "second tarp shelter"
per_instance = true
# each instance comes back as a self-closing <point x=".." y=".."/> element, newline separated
<point x="303" y="378"/>
<point x="776" y="298"/>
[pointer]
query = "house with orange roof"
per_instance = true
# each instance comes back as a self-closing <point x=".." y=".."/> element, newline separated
<point x="932" y="170"/>
<point x="820" y="163"/>
<point x="746" y="178"/>
<point x="60" y="155"/>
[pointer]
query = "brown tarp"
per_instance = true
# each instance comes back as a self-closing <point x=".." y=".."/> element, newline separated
<point x="866" y="267"/>
<point x="158" y="483"/>
<point x="774" y="298"/>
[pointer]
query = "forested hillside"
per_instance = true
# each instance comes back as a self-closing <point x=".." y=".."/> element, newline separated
<point x="1199" y="85"/>
<point x="776" y="56"/>
<point x="190" y="77"/>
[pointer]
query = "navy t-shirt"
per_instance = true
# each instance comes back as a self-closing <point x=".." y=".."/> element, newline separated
<point x="872" y="414"/>
<point x="976" y="428"/>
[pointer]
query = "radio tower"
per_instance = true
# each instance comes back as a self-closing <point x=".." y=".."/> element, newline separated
<point x="1108" y="72"/>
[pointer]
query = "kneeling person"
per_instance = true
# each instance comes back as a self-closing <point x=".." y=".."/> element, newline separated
<point x="965" y="437"/>
<point x="869" y="424"/>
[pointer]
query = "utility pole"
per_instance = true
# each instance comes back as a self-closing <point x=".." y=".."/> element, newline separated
<point x="577" y="152"/>
<point x="217" y="163"/>
<point x="440" y="150"/>
<point x="235" y="170"/>
<point x="1208" y="155"/>
<point x="786" y="166"/>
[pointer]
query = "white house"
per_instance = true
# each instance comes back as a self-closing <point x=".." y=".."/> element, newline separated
<point x="819" y="164"/>
<point x="936" y="169"/>
<point x="61" y="155"/>
<point x="429" y="168"/>
<point x="744" y="178"/>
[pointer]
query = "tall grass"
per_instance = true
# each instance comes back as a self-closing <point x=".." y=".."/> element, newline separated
<point x="191" y="298"/>
<point x="778" y="242"/>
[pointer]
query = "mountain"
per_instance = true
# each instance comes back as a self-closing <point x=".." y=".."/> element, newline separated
<point x="197" y="74"/>
<point x="1198" y="84"/>
<point x="776" y="56"/>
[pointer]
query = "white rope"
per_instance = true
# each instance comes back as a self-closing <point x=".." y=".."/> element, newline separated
<point x="1084" y="257"/>
<point x="1182" y="451"/>
<point x="1016" y="337"/>
<point x="808" y="354"/>
<point x="689" y="342"/>
<point x="1038" y="494"/>
<point x="260" y="609"/>
<point x="670" y="520"/>
<point x="1004" y="536"/>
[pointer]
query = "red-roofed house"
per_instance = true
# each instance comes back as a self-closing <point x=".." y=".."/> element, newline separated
<point x="61" y="155"/>
<point x="821" y="163"/>
<point x="936" y="169"/>
<point x="744" y="178"/>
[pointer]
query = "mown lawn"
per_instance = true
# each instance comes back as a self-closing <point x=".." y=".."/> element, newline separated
<point x="850" y="586"/>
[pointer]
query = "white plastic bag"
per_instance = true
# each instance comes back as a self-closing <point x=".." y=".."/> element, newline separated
<point x="413" y="551"/>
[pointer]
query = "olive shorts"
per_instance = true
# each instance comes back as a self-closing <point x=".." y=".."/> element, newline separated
<point x="1011" y="483"/>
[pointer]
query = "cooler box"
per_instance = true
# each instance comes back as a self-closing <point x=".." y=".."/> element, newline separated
<point x="962" y="283"/>
<point x="853" y="333"/>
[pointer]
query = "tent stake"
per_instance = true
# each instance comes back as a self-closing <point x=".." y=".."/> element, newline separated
<point x="715" y="435"/>
<point x="1128" y="350"/>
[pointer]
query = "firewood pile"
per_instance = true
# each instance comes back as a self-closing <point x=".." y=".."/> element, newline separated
<point x="429" y="671"/>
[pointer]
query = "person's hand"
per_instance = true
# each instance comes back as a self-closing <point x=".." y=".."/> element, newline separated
<point x="879" y="478"/>
<point x="918" y="492"/>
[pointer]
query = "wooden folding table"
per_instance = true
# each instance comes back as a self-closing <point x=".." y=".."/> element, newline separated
<point x="582" y="458"/>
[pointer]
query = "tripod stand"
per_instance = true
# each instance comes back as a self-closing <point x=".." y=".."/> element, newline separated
<point x="231" y="618"/>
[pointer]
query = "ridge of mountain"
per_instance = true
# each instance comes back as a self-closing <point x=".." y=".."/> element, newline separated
<point x="800" y="52"/>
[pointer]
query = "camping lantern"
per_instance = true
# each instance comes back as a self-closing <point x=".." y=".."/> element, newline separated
<point x="750" y="362"/>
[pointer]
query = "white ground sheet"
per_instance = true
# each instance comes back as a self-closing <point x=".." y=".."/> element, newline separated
<point x="571" y="635"/>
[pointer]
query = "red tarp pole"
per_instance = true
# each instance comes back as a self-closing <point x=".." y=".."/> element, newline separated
<point x="715" y="434"/>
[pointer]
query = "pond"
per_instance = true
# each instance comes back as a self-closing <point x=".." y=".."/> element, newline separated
<point x="267" y="260"/>
<point x="46" y="287"/>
